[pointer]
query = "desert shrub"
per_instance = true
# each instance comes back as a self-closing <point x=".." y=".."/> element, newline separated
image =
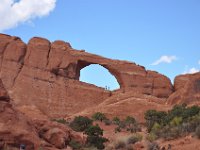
<point x="120" y="144"/>
<point x="63" y="121"/>
<point x="176" y="121"/>
<point x="99" y="116"/>
<point x="153" y="146"/>
<point x="75" y="145"/>
<point x="94" y="131"/>
<point x="130" y="120"/>
<point x="107" y="122"/>
<point x="116" y="121"/>
<point x="156" y="127"/>
<point x="191" y="111"/>
<point x="96" y="141"/>
<point x="183" y="111"/>
<point x="122" y="125"/>
<point x="152" y="137"/>
<point x="117" y="129"/>
<point x="94" y="137"/>
<point x="153" y="116"/>
<point x="134" y="138"/>
<point x="187" y="127"/>
<point x="131" y="124"/>
<point x="179" y="121"/>
<point x="197" y="132"/>
<point x="134" y="128"/>
<point x="80" y="123"/>
<point x="170" y="133"/>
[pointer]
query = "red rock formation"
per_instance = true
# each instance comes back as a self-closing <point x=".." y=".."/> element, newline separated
<point x="187" y="89"/>
<point x="17" y="129"/>
<point x="45" y="76"/>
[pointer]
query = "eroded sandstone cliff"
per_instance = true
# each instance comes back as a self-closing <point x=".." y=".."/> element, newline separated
<point x="44" y="77"/>
<point x="17" y="129"/>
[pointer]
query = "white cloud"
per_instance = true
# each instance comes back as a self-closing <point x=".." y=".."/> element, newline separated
<point x="199" y="62"/>
<point x="14" y="12"/>
<point x="191" y="70"/>
<point x="164" y="59"/>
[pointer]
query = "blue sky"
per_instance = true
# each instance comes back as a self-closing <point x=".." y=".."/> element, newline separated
<point x="162" y="35"/>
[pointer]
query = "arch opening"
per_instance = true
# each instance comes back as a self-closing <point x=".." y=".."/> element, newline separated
<point x="100" y="76"/>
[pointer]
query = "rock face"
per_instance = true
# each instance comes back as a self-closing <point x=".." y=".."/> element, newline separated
<point x="187" y="89"/>
<point x="17" y="129"/>
<point x="45" y="76"/>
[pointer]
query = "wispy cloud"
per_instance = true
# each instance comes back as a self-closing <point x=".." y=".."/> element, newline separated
<point x="164" y="59"/>
<point x="191" y="70"/>
<point x="13" y="12"/>
<point x="199" y="62"/>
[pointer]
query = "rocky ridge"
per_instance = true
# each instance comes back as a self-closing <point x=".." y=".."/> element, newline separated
<point x="45" y="76"/>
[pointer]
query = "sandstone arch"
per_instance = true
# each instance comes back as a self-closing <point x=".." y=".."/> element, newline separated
<point x="100" y="76"/>
<point x="83" y="64"/>
<point x="44" y="76"/>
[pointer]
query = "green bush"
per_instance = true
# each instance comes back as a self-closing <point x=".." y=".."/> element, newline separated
<point x="130" y="120"/>
<point x="94" y="137"/>
<point x="80" y="123"/>
<point x="179" y="121"/>
<point x="176" y="121"/>
<point x="122" y="125"/>
<point x="153" y="116"/>
<point x="170" y="133"/>
<point x="156" y="127"/>
<point x="75" y="145"/>
<point x="63" y="121"/>
<point x="99" y="116"/>
<point x="152" y="137"/>
<point x="183" y="111"/>
<point x="116" y="121"/>
<point x="94" y="131"/>
<point x="131" y="124"/>
<point x="134" y="138"/>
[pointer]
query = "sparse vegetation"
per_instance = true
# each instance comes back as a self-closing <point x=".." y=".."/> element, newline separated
<point x="107" y="122"/>
<point x="116" y="121"/>
<point x="153" y="146"/>
<point x="179" y="121"/>
<point x="75" y="145"/>
<point x="117" y="129"/>
<point x="99" y="116"/>
<point x="129" y="124"/>
<point x="151" y="137"/>
<point x="126" y="142"/>
<point x="80" y="123"/>
<point x="95" y="137"/>
<point x="134" y="138"/>
<point x="63" y="121"/>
